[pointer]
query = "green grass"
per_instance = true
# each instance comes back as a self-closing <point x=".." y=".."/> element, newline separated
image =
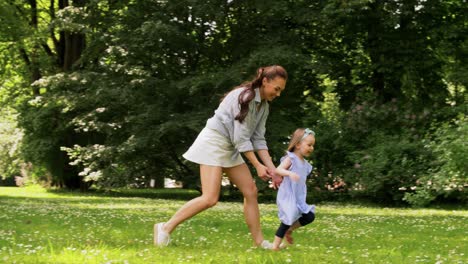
<point x="37" y="226"/>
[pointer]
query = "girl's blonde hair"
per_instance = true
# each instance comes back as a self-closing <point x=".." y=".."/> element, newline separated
<point x="297" y="136"/>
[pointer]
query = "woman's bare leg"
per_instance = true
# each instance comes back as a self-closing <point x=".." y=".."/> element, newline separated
<point x="241" y="177"/>
<point x="211" y="184"/>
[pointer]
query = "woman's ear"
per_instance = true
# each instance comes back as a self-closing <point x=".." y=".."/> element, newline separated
<point x="264" y="81"/>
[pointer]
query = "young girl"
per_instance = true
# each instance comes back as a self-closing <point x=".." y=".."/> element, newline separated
<point x="238" y="126"/>
<point x="294" y="212"/>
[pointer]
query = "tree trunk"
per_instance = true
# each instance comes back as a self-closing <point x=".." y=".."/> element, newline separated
<point x="374" y="46"/>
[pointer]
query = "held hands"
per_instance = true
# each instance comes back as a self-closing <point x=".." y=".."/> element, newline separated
<point x="262" y="172"/>
<point x="275" y="179"/>
<point x="270" y="173"/>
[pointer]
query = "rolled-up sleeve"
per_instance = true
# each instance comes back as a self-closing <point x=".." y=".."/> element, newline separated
<point x="248" y="135"/>
<point x="258" y="137"/>
<point x="243" y="131"/>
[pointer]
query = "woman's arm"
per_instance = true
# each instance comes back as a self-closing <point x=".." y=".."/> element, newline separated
<point x="261" y="169"/>
<point x="266" y="158"/>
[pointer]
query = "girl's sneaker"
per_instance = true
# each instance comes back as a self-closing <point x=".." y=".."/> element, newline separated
<point x="161" y="238"/>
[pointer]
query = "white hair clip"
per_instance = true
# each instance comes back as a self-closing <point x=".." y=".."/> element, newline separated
<point x="308" y="132"/>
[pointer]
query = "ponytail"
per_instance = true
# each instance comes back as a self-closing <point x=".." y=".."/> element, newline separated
<point x="248" y="94"/>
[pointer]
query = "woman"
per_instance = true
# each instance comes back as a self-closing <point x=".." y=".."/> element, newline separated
<point x="238" y="126"/>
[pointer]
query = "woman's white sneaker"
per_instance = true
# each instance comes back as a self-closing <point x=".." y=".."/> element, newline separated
<point x="161" y="238"/>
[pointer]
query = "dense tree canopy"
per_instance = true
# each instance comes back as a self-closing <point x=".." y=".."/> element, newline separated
<point x="113" y="92"/>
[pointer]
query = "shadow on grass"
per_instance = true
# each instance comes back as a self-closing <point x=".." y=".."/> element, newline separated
<point x="173" y="194"/>
<point x="264" y="197"/>
<point x="92" y="195"/>
<point x="170" y="194"/>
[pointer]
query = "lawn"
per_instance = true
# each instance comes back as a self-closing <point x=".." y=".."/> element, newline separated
<point x="37" y="226"/>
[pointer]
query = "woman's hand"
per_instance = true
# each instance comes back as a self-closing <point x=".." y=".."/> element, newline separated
<point x="262" y="172"/>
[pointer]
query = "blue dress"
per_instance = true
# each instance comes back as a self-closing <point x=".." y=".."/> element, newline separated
<point x="291" y="198"/>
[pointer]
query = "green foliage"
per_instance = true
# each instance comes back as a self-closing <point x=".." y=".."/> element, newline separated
<point x="378" y="151"/>
<point x="44" y="132"/>
<point x="10" y="138"/>
<point x="393" y="49"/>
<point x="113" y="92"/>
<point x="155" y="84"/>
<point x="447" y="176"/>
<point x="388" y="166"/>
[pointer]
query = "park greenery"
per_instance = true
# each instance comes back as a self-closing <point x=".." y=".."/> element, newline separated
<point x="44" y="226"/>
<point x="106" y="94"/>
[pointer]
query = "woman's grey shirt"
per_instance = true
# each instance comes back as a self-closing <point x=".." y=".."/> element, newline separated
<point x="248" y="135"/>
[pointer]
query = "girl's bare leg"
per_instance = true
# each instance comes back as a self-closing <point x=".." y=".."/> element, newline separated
<point x="241" y="177"/>
<point x="211" y="184"/>
<point x="288" y="234"/>
<point x="277" y="243"/>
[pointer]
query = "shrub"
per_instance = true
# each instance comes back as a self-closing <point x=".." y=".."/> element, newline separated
<point x="447" y="176"/>
<point x="389" y="166"/>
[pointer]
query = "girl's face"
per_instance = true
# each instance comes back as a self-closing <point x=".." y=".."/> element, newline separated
<point x="272" y="88"/>
<point x="306" y="146"/>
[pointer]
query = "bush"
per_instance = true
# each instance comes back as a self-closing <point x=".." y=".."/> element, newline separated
<point x="388" y="167"/>
<point x="372" y="150"/>
<point x="447" y="176"/>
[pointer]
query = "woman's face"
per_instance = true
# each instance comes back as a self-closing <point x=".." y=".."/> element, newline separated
<point x="272" y="88"/>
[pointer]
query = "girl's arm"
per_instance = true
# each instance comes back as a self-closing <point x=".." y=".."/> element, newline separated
<point x="283" y="170"/>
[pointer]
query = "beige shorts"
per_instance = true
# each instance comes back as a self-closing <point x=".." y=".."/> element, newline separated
<point x="214" y="149"/>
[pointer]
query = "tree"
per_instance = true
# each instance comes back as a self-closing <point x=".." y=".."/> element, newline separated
<point x="391" y="82"/>
<point x="47" y="38"/>
<point x="121" y="88"/>
<point x="182" y="53"/>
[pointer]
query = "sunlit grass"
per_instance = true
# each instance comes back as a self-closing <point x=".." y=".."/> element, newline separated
<point x="37" y="226"/>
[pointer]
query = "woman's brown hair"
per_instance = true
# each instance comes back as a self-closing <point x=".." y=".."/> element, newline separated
<point x="248" y="94"/>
